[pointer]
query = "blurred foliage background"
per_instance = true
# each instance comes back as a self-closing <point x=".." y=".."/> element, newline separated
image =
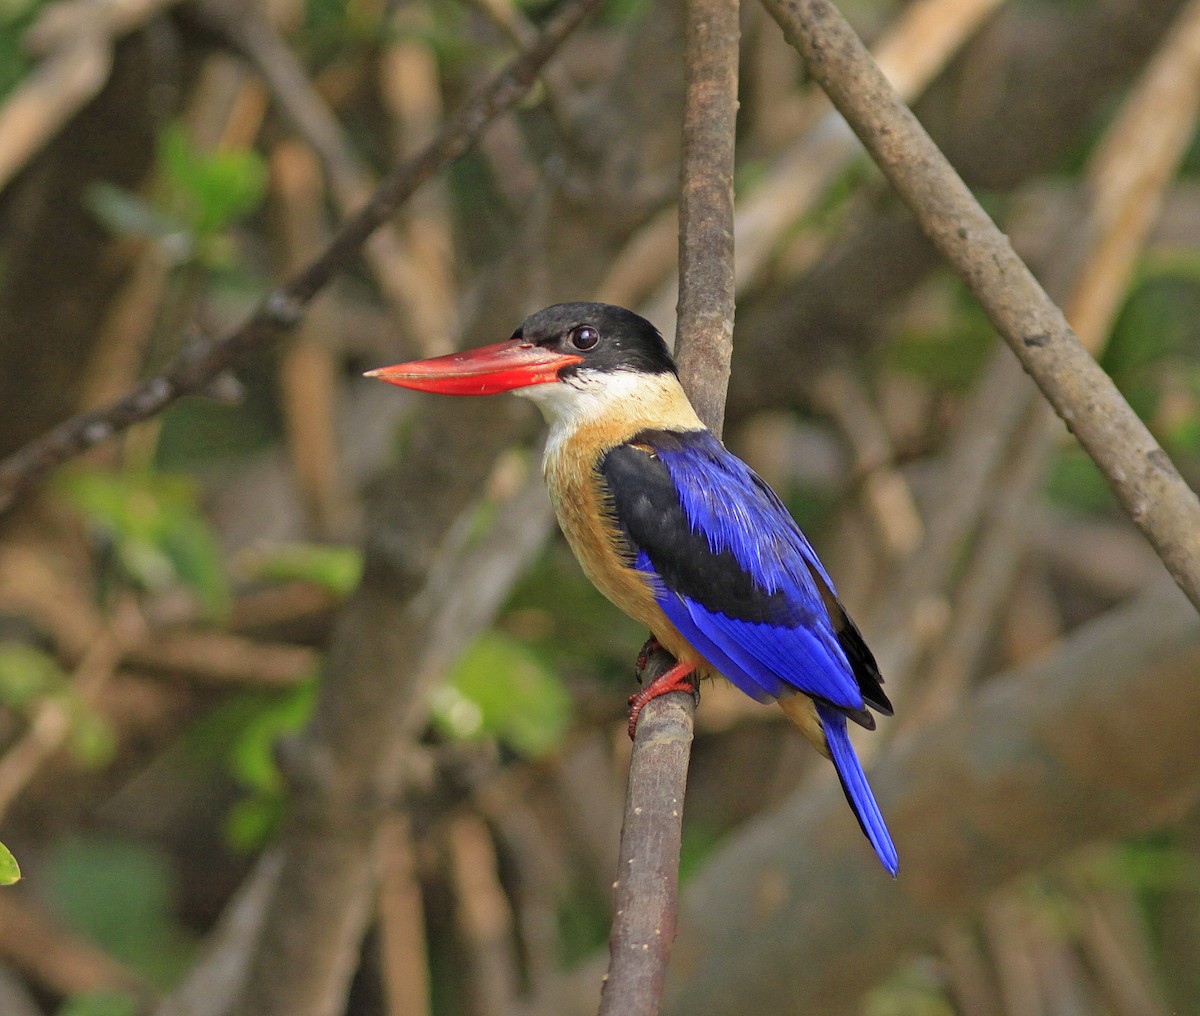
<point x="166" y="601"/>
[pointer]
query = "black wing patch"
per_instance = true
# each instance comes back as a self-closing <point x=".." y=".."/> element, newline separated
<point x="646" y="506"/>
<point x="862" y="660"/>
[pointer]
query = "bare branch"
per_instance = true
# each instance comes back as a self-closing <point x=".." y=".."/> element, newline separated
<point x="706" y="277"/>
<point x="308" y="369"/>
<point x="403" y="953"/>
<point x="50" y="725"/>
<point x="645" y="893"/>
<point x="646" y="888"/>
<point x="1130" y="172"/>
<point x="1127" y="176"/>
<point x="66" y="963"/>
<point x="1139" y="471"/>
<point x="483" y="916"/>
<point x="213" y="982"/>
<point x="200" y="364"/>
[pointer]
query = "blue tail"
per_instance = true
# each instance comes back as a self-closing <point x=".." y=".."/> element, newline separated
<point x="854" y="783"/>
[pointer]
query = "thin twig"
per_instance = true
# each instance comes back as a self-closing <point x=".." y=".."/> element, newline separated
<point x="213" y="982"/>
<point x="887" y="498"/>
<point x="223" y="660"/>
<point x="970" y="981"/>
<point x="308" y="368"/>
<point x="975" y="456"/>
<point x="1138" y="470"/>
<point x="989" y="578"/>
<point x="706" y="271"/>
<point x="1130" y="172"/>
<point x="196" y="368"/>
<point x="1115" y="938"/>
<point x="350" y="179"/>
<point x="409" y="88"/>
<point x="484" y="917"/>
<point x="645" y="894"/>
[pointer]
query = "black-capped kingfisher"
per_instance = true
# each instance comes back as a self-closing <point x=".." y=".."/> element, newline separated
<point x="678" y="532"/>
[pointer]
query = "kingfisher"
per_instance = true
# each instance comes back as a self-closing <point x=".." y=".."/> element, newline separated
<point x="677" y="531"/>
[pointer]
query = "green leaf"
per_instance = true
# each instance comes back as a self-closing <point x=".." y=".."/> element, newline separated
<point x="501" y="688"/>
<point x="10" y="871"/>
<point x="253" y="819"/>
<point x="212" y="190"/>
<point x="92" y="743"/>
<point x="337" y="569"/>
<point x="253" y="758"/>
<point x="26" y="674"/>
<point x="158" y="534"/>
<point x="15" y="59"/>
<point x="121" y="895"/>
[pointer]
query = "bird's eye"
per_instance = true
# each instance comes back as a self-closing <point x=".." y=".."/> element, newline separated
<point x="584" y="337"/>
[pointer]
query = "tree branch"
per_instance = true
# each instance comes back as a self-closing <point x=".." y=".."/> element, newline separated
<point x="646" y="889"/>
<point x="202" y="361"/>
<point x="1139" y="471"/>
<point x="1127" y="174"/>
<point x="706" y="271"/>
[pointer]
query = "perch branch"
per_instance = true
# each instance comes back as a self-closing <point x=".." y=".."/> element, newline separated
<point x="200" y="364"/>
<point x="645" y="894"/>
<point x="1138" y="470"/>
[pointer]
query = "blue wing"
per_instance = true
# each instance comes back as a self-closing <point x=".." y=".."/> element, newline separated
<point x="734" y="573"/>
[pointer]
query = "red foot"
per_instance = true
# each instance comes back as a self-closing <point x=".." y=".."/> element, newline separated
<point x="678" y="678"/>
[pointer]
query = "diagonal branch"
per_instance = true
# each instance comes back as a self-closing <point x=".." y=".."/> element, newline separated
<point x="199" y="365"/>
<point x="645" y="895"/>
<point x="1138" y="470"/>
<point x="1127" y="175"/>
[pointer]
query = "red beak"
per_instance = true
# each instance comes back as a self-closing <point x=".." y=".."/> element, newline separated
<point x="483" y="371"/>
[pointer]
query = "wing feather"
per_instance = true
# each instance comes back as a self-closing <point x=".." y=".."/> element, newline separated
<point x="735" y="574"/>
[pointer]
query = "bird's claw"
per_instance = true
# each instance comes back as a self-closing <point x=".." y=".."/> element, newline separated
<point x="678" y="678"/>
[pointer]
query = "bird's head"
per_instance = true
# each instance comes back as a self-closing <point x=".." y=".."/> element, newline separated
<point x="581" y="347"/>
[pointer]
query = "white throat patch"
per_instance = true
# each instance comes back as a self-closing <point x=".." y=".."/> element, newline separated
<point x="611" y="397"/>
